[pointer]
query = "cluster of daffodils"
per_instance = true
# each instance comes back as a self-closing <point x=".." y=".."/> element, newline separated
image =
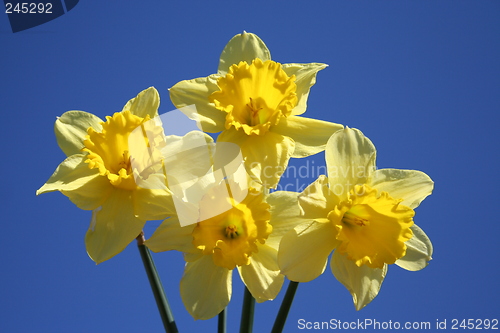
<point x="215" y="195"/>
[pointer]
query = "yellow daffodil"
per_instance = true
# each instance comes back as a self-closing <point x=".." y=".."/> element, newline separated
<point x="364" y="215"/>
<point x="256" y="103"/>
<point x="98" y="174"/>
<point x="242" y="236"/>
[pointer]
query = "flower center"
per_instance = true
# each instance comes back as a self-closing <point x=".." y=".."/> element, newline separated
<point x="232" y="231"/>
<point x="231" y="237"/>
<point x="108" y="150"/>
<point x="372" y="228"/>
<point x="255" y="96"/>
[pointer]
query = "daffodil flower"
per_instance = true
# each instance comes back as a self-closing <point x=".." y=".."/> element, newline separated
<point x="98" y="174"/>
<point x="364" y="215"/>
<point x="243" y="236"/>
<point x="256" y="103"/>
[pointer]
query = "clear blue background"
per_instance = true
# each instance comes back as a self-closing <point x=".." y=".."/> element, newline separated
<point x="419" y="78"/>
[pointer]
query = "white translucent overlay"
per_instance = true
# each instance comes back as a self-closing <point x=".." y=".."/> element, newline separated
<point x="188" y="163"/>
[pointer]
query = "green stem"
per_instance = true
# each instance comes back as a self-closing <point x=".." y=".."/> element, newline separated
<point x="246" y="325"/>
<point x="221" y="327"/>
<point x="156" y="286"/>
<point x="279" y="323"/>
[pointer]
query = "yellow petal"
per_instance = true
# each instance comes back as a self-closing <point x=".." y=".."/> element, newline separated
<point x="305" y="78"/>
<point x="82" y="185"/>
<point x="418" y="251"/>
<point x="362" y="282"/>
<point x="266" y="156"/>
<point x="192" y="256"/>
<point x="350" y="160"/>
<point x="195" y="92"/>
<point x="300" y="129"/>
<point x="145" y="103"/>
<point x="285" y="215"/>
<point x="205" y="288"/>
<point x="153" y="204"/>
<point x="71" y="129"/>
<point x="171" y="236"/>
<point x="262" y="276"/>
<point x="410" y="185"/>
<point x="304" y="251"/>
<point x="242" y="47"/>
<point x="316" y="201"/>
<point x="113" y="227"/>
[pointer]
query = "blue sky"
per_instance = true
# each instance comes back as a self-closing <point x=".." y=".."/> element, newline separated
<point x="419" y="78"/>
